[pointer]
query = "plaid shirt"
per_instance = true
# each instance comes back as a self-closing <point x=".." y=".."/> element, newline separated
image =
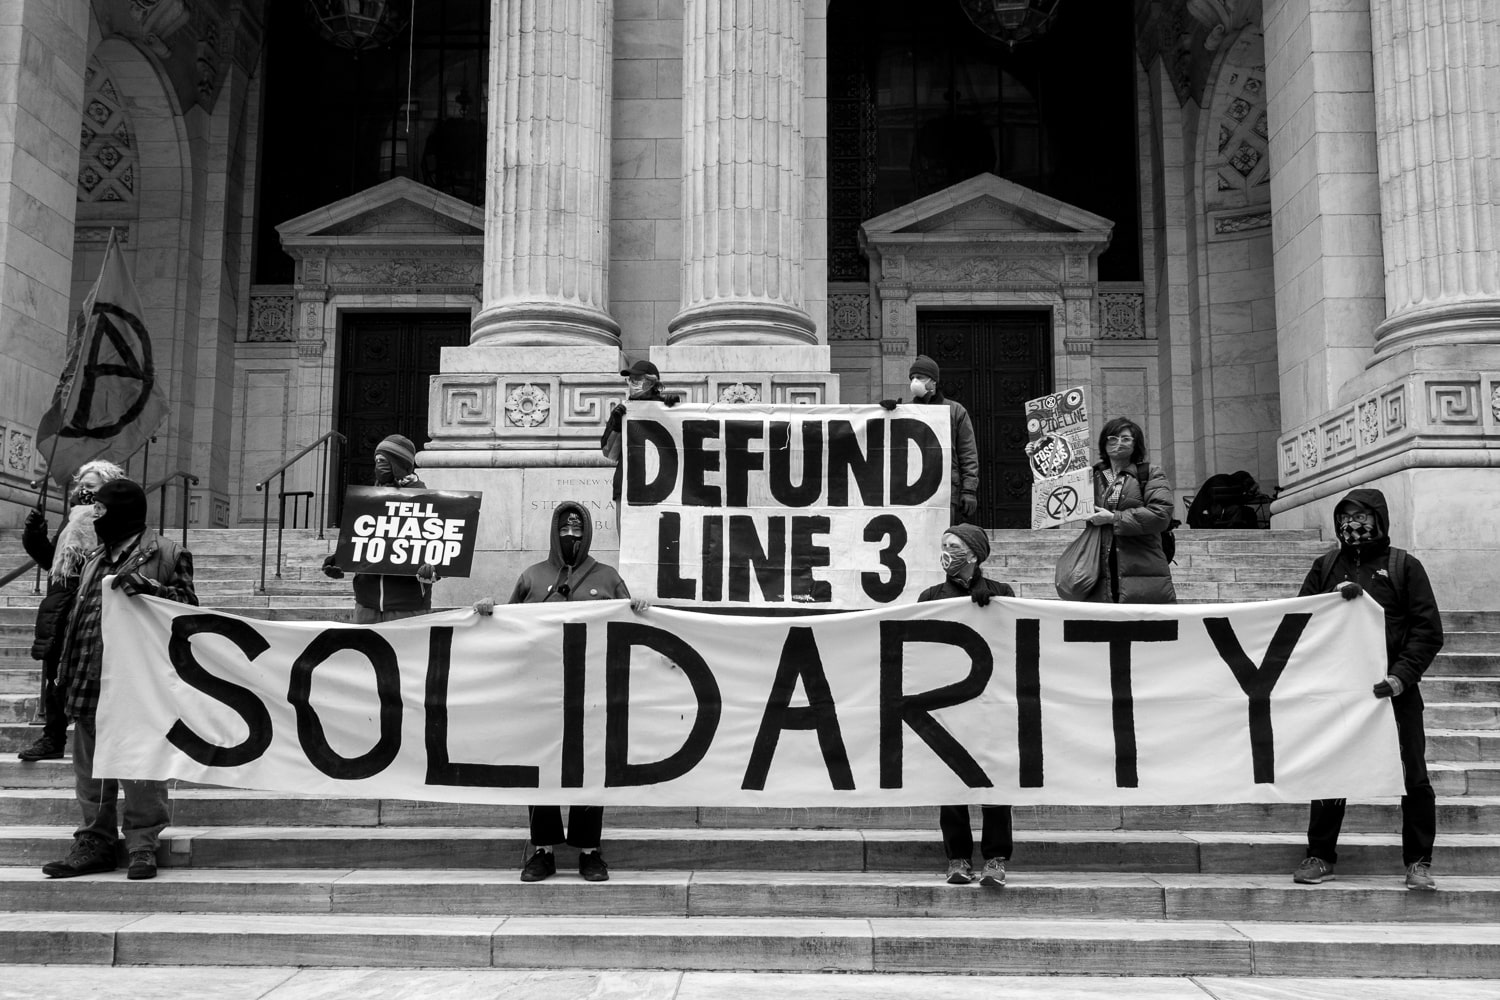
<point x="156" y="558"/>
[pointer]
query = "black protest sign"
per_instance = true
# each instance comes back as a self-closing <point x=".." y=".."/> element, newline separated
<point x="395" y="531"/>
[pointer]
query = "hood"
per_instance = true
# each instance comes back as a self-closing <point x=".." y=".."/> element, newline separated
<point x="1372" y="501"/>
<point x="561" y="511"/>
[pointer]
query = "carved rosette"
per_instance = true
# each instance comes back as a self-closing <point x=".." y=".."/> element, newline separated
<point x="739" y="392"/>
<point x="527" y="405"/>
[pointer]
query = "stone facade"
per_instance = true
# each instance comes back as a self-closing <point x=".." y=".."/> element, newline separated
<point x="1319" y="301"/>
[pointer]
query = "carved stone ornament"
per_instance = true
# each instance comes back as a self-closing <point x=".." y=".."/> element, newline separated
<point x="1495" y="401"/>
<point x="739" y="392"/>
<point x="271" y="318"/>
<point x="405" y="273"/>
<point x="1310" y="451"/>
<point x="1122" y="316"/>
<point x="527" y="405"/>
<point x="1369" y="422"/>
<point x="18" y="452"/>
<point x="977" y="271"/>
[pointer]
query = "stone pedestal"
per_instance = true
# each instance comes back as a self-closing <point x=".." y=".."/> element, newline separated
<point x="743" y="175"/>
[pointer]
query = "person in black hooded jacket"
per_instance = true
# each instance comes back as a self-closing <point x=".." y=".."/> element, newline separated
<point x="568" y="573"/>
<point x="1365" y="563"/>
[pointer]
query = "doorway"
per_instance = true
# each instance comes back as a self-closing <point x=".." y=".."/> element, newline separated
<point x="385" y="362"/>
<point x="992" y="361"/>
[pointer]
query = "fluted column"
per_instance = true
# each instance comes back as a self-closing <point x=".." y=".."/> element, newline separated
<point x="1437" y="106"/>
<point x="743" y="175"/>
<point x="546" y="234"/>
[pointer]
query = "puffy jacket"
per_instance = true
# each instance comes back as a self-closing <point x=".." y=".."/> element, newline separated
<point x="586" y="580"/>
<point x="1413" y="625"/>
<point x="1144" y="575"/>
<point x="52" y="613"/>
<point x="980" y="584"/>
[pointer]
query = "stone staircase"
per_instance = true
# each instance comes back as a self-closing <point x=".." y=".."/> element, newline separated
<point x="269" y="879"/>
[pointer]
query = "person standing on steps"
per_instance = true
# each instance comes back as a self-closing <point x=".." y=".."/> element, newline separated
<point x="383" y="597"/>
<point x="965" y="547"/>
<point x="568" y="573"/>
<point x="142" y="562"/>
<point x="924" y="375"/>
<point x="63" y="557"/>
<point x="642" y="384"/>
<point x="1134" y="501"/>
<point x="1365" y="562"/>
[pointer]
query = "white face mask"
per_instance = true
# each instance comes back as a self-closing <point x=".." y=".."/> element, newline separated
<point x="918" y="387"/>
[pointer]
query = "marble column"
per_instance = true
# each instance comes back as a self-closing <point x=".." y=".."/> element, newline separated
<point x="743" y="175"/>
<point x="546" y="237"/>
<point x="43" y="49"/>
<point x="1438" y="114"/>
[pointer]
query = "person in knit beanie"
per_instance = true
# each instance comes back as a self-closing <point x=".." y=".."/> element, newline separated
<point x="965" y="547"/>
<point x="381" y="597"/>
<point x="924" y="374"/>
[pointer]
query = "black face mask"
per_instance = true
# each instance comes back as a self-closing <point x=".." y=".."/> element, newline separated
<point x="567" y="545"/>
<point x="114" y="526"/>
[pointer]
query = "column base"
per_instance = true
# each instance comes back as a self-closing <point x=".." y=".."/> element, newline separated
<point x="741" y="323"/>
<point x="543" y="324"/>
<point x="1469" y="322"/>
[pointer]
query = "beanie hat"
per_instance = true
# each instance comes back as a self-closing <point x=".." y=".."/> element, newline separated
<point x="924" y="366"/>
<point x="399" y="448"/>
<point x="974" y="537"/>
<point x="124" y="516"/>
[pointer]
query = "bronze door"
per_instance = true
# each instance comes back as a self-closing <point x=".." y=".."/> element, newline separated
<point x="992" y="362"/>
<point x="385" y="361"/>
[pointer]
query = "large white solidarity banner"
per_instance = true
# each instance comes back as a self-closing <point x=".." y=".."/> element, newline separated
<point x="943" y="702"/>
<point x="763" y="506"/>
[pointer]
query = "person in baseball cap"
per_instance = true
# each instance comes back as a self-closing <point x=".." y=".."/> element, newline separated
<point x="642" y="384"/>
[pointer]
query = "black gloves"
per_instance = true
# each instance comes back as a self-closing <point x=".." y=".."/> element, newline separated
<point x="1349" y="591"/>
<point x="36" y="523"/>
<point x="968" y="504"/>
<point x="1390" y="687"/>
<point x="670" y="401"/>
<point x="889" y="404"/>
<point x="617" y="412"/>
<point x="331" y="567"/>
<point x="133" y="583"/>
<point x="980" y="597"/>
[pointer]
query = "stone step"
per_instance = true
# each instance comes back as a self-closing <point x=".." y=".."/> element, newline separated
<point x="1462" y="744"/>
<point x="1463" y="715"/>
<point x="1460" y="689"/>
<point x="1028" y="894"/>
<point x="1463" y="665"/>
<point x="1471" y="642"/>
<point x="192" y="806"/>
<point x="20" y="680"/>
<point x="767" y="849"/>
<point x="852" y="944"/>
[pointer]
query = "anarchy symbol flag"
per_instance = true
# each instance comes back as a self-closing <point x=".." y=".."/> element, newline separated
<point x="108" y="401"/>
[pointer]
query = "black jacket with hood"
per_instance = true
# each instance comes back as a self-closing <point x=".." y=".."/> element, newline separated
<point x="587" y="579"/>
<point x="387" y="592"/>
<point x="1413" y="626"/>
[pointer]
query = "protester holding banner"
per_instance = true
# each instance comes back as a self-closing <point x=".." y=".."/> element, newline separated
<point x="1133" y="504"/>
<point x="568" y="573"/>
<point x="63" y="556"/>
<point x="643" y="384"/>
<point x="924" y="375"/>
<point x="381" y="597"/>
<point x="142" y="562"/>
<point x="965" y="547"/>
<point x="1365" y="562"/>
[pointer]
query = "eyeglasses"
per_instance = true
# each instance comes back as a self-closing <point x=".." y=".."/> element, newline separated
<point x="1360" y="517"/>
<point x="1120" y="439"/>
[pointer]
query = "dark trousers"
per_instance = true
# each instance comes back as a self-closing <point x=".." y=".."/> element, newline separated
<point x="1418" y="805"/>
<point x="958" y="837"/>
<point x="147" y="808"/>
<point x="585" y="826"/>
<point x="54" y="711"/>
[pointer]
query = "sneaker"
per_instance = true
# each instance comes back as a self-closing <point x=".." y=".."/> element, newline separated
<point x="88" y="857"/>
<point x="540" y="865"/>
<point x="592" y="867"/>
<point x="1419" y="876"/>
<point x="1313" y="871"/>
<point x="960" y="872"/>
<point x="993" y="873"/>
<point x="43" y="748"/>
<point x="142" y="865"/>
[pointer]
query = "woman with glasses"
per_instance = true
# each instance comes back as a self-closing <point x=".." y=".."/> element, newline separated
<point x="1133" y="503"/>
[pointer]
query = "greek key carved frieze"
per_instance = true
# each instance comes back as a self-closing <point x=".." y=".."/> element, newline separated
<point x="1453" y="403"/>
<point x="468" y="404"/>
<point x="589" y="405"/>
<point x="1338" y="435"/>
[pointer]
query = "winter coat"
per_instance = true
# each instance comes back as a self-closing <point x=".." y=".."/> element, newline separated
<point x="965" y="469"/>
<point x="586" y="580"/>
<point x="52" y="613"/>
<point x="1413" y="626"/>
<point x="1134" y="543"/>
<point x="980" y="584"/>
<point x="611" y="441"/>
<point x="386" y="592"/>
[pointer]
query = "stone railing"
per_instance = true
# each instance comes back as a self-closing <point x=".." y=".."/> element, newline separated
<point x="270" y="319"/>
<point x="1452" y="416"/>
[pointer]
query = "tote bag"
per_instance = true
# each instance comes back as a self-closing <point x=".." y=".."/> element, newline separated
<point x="1078" y="569"/>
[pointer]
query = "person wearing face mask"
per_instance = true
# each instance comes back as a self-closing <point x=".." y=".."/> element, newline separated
<point x="924" y="375"/>
<point x="141" y="562"/>
<point x="965" y="547"/>
<point x="63" y="556"/>
<point x="642" y="384"/>
<point x="1133" y="501"/>
<point x="381" y="597"/>
<point x="568" y="573"/>
<point x="1365" y="562"/>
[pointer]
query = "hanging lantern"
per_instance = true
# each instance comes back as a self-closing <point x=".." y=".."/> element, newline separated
<point x="1012" y="21"/>
<point x="360" y="25"/>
